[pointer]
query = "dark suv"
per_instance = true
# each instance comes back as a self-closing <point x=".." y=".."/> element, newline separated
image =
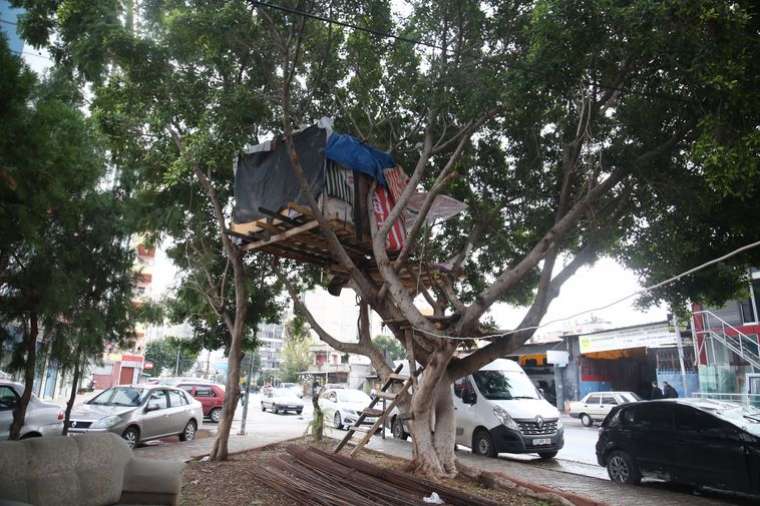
<point x="698" y="442"/>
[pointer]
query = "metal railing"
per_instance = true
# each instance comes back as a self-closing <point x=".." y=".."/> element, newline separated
<point x="748" y="400"/>
<point x="714" y="329"/>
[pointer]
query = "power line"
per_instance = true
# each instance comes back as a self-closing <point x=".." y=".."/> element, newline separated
<point x="344" y="24"/>
<point x="378" y="33"/>
<point x="5" y="21"/>
<point x="603" y="307"/>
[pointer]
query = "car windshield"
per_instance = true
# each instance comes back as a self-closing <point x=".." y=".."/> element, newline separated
<point x="120" y="396"/>
<point x="505" y="385"/>
<point x="353" y="396"/>
<point x="282" y="392"/>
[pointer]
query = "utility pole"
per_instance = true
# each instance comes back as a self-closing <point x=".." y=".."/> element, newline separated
<point x="247" y="395"/>
<point x="176" y="367"/>
<point x="679" y="344"/>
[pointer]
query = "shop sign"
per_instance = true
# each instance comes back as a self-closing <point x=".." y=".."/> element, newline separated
<point x="650" y="336"/>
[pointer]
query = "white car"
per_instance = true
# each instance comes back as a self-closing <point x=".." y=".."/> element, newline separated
<point x="595" y="406"/>
<point x="343" y="406"/>
<point x="281" y="400"/>
<point x="42" y="418"/>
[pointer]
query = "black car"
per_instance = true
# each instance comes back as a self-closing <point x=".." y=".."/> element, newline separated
<point x="697" y="442"/>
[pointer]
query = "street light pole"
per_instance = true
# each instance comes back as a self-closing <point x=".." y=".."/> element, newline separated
<point x="176" y="367"/>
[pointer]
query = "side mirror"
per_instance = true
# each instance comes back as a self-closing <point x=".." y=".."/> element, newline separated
<point x="152" y="407"/>
<point x="469" y="397"/>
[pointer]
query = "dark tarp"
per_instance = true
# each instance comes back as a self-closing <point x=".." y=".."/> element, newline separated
<point x="352" y="153"/>
<point x="264" y="178"/>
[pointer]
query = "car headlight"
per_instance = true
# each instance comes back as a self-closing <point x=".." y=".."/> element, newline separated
<point x="504" y="418"/>
<point x="559" y="424"/>
<point x="107" y="422"/>
<point x="350" y="412"/>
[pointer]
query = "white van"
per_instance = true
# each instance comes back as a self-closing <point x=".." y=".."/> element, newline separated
<point x="499" y="410"/>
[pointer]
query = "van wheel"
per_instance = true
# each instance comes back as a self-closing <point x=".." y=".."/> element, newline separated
<point x="397" y="428"/>
<point x="482" y="444"/>
<point x="622" y="469"/>
<point x="215" y="415"/>
<point x="337" y="422"/>
<point x="547" y="455"/>
<point x="586" y="420"/>
<point x="263" y="408"/>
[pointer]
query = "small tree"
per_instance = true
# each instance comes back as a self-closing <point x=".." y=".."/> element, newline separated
<point x="167" y="353"/>
<point x="390" y="346"/>
<point x="295" y="351"/>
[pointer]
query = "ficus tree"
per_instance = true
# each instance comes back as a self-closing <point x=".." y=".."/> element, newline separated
<point x="565" y="127"/>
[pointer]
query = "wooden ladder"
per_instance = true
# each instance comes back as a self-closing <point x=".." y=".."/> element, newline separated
<point x="381" y="415"/>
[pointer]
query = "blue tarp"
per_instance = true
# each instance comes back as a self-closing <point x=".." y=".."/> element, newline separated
<point x="353" y="154"/>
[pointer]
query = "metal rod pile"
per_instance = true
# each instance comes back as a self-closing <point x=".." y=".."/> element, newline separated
<point x="309" y="476"/>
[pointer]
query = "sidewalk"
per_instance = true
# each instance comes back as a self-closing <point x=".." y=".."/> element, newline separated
<point x="178" y="451"/>
<point x="592" y="488"/>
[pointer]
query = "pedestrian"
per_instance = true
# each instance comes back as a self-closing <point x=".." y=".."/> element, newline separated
<point x="669" y="392"/>
<point x="656" y="392"/>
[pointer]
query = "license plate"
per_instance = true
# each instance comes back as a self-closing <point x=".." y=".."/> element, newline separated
<point x="542" y="442"/>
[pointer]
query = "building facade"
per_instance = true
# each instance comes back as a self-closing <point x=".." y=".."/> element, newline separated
<point x="727" y="347"/>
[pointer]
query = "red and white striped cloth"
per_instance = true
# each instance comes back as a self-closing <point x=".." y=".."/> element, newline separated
<point x="382" y="202"/>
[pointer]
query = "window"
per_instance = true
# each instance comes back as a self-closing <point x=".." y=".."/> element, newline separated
<point x="8" y="398"/>
<point x="651" y="417"/>
<point x="609" y="400"/>
<point x="204" y="391"/>
<point x="158" y="398"/>
<point x="462" y="386"/>
<point x="689" y="419"/>
<point x="120" y="396"/>
<point x="593" y="399"/>
<point x="505" y="385"/>
<point x="176" y="399"/>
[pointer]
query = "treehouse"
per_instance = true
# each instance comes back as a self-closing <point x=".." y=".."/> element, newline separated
<point x="271" y="213"/>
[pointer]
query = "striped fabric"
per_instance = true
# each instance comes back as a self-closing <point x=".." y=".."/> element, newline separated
<point x="339" y="182"/>
<point x="397" y="181"/>
<point x="382" y="202"/>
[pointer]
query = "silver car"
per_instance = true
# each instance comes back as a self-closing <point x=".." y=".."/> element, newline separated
<point x="139" y="413"/>
<point x="42" y="418"/>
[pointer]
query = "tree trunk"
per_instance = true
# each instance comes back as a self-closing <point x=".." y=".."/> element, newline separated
<point x="19" y="414"/>
<point x="220" y="450"/>
<point x="72" y="395"/>
<point x="433" y="424"/>
<point x="317" y="422"/>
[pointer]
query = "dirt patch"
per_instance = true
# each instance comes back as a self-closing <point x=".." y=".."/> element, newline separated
<point x="233" y="483"/>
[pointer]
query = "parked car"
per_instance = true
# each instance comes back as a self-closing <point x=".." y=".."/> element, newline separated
<point x="594" y="407"/>
<point x="42" y="418"/>
<point x="342" y="406"/>
<point x="697" y="442"/>
<point x="281" y="400"/>
<point x="139" y="413"/>
<point x="210" y="395"/>
<point x="295" y="388"/>
<point x="499" y="410"/>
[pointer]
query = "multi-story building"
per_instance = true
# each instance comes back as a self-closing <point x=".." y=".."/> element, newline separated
<point x="726" y="345"/>
<point x="124" y="365"/>
<point x="270" y="335"/>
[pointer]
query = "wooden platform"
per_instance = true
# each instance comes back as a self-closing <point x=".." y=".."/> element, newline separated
<point x="300" y="238"/>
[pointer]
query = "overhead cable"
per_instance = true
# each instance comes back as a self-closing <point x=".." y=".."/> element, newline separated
<point x="600" y="308"/>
